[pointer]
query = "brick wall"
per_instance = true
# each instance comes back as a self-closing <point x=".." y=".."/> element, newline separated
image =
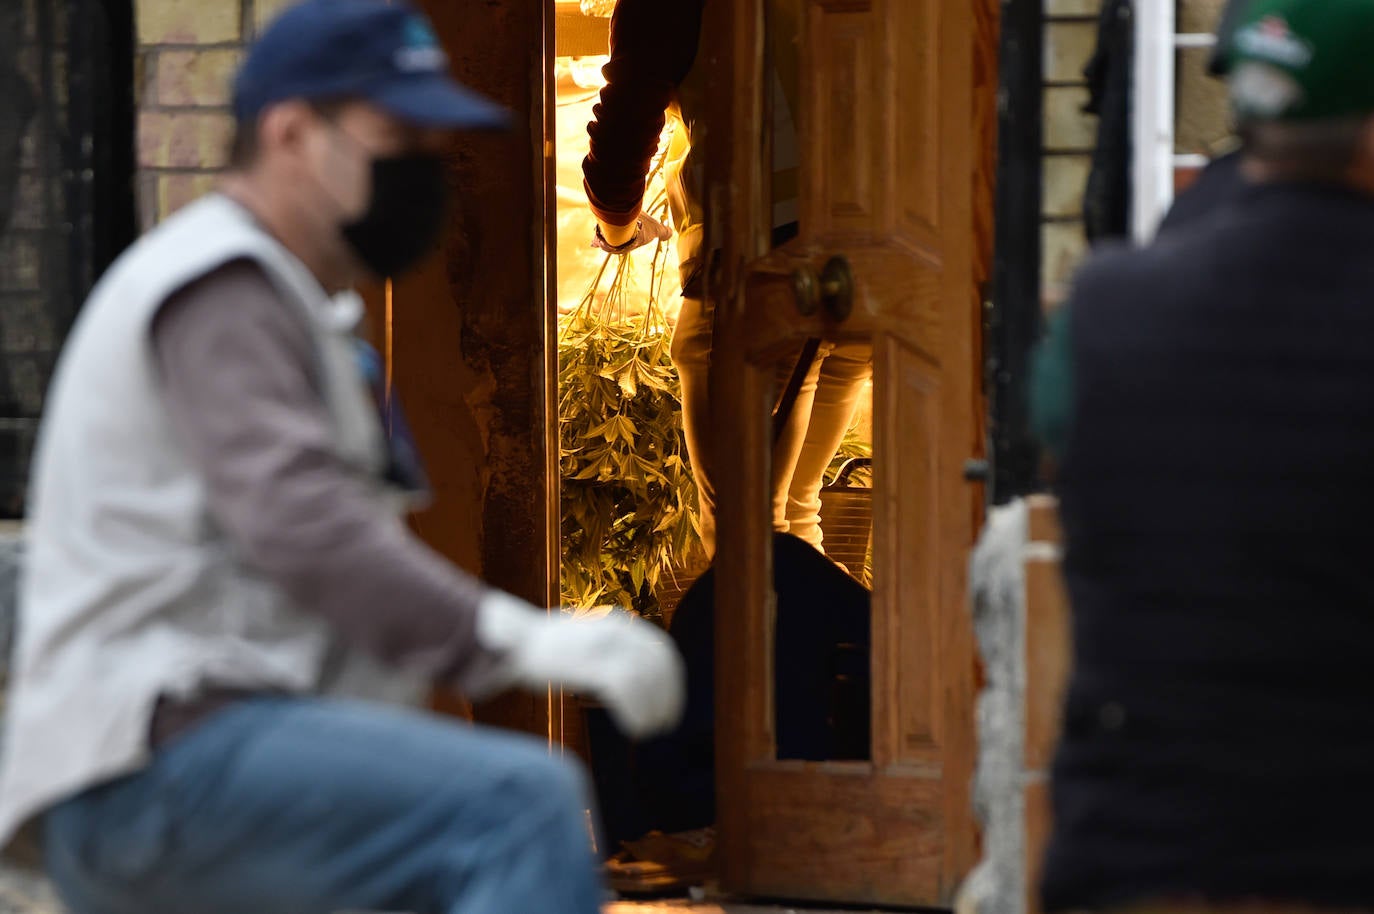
<point x="1069" y="136"/>
<point x="187" y="53"/>
<point x="1204" y="118"/>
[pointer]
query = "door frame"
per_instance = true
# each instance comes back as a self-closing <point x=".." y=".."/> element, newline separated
<point x="471" y="346"/>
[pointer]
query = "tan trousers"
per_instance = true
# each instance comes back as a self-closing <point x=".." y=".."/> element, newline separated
<point x="825" y="407"/>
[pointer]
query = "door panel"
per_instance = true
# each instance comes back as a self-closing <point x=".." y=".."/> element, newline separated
<point x="907" y="427"/>
<point x="891" y="159"/>
<point x="845" y="102"/>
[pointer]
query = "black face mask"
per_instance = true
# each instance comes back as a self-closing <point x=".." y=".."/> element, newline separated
<point x="405" y="216"/>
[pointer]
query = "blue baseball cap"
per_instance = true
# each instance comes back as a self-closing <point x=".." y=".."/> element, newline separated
<point x="379" y="52"/>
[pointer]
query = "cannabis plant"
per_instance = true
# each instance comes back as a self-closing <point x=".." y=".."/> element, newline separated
<point x="629" y="512"/>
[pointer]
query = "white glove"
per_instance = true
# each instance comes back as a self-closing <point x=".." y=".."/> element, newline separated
<point x="647" y="231"/>
<point x="630" y="665"/>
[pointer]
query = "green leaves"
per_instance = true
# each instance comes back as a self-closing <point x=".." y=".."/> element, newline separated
<point x="628" y="386"/>
<point x="629" y="503"/>
<point x="628" y="499"/>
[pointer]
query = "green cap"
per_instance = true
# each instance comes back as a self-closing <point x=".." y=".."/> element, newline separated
<point x="1297" y="60"/>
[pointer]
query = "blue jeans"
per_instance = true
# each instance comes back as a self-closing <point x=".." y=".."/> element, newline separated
<point x="308" y="806"/>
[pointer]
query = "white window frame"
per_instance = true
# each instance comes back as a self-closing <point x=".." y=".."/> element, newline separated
<point x="1153" y="113"/>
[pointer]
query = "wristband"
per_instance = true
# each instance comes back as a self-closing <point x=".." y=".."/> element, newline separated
<point x="621" y="248"/>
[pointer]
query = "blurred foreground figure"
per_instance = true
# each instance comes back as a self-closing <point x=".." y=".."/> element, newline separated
<point x="216" y="546"/>
<point x="1210" y="402"/>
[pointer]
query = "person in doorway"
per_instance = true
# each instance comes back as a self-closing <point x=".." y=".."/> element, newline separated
<point x="652" y="76"/>
<point x="1210" y="400"/>
<point x="221" y="593"/>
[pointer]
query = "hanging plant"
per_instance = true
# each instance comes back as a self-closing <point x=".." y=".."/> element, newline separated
<point x="629" y="504"/>
<point x="598" y="8"/>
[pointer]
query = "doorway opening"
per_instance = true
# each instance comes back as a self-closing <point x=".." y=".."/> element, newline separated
<point x="632" y="533"/>
<point x="629" y="528"/>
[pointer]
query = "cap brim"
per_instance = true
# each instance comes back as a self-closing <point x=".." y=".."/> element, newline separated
<point x="438" y="101"/>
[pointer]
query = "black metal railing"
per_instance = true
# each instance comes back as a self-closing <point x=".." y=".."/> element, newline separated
<point x="66" y="193"/>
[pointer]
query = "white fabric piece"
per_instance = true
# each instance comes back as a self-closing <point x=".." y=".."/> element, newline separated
<point x="998" y="587"/>
<point x="629" y="664"/>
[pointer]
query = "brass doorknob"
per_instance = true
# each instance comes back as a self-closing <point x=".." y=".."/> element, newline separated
<point x="833" y="289"/>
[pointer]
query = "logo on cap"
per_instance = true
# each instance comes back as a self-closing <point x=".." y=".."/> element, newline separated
<point x="1271" y="39"/>
<point x="421" y="53"/>
<point x="1262" y="90"/>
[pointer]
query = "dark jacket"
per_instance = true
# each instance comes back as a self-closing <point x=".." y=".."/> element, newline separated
<point x="653" y="47"/>
<point x="1220" y="184"/>
<point x="1107" y="200"/>
<point x="1218" y="727"/>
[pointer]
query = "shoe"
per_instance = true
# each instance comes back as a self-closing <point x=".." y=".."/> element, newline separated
<point x="663" y="864"/>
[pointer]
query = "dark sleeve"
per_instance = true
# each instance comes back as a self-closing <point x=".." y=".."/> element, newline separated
<point x="653" y="46"/>
<point x="238" y="378"/>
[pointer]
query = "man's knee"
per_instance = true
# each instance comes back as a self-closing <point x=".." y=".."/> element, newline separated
<point x="563" y="780"/>
<point x="540" y="787"/>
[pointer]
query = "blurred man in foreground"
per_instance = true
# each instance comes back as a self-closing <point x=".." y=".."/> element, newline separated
<point x="1210" y="400"/>
<point x="216" y="545"/>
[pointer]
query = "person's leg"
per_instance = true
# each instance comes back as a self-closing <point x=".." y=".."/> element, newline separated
<point x="788" y="448"/>
<point x="843" y="378"/>
<point x="691" y="353"/>
<point x="303" y="806"/>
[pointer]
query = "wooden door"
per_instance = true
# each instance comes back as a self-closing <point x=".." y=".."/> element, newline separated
<point x="893" y="159"/>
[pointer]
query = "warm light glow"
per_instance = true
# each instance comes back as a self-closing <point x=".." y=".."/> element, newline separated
<point x="601" y="8"/>
<point x="586" y="71"/>
<point x="390" y="348"/>
<point x="578" y="81"/>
